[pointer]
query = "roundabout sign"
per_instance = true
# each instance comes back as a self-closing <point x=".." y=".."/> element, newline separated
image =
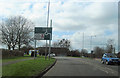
<point x="43" y="33"/>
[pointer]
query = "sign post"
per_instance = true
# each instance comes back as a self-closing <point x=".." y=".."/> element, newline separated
<point x="50" y="40"/>
<point x="43" y="33"/>
<point x="35" y="50"/>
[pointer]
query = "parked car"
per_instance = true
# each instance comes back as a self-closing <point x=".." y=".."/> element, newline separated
<point x="110" y="58"/>
<point x="52" y="55"/>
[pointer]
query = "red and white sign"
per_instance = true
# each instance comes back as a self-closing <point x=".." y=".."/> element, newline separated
<point x="39" y="36"/>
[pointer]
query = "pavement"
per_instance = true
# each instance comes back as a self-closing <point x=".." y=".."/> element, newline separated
<point x="70" y="66"/>
<point x="13" y="62"/>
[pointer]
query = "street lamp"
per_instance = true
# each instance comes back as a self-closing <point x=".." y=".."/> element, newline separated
<point x="91" y="44"/>
<point x="91" y="41"/>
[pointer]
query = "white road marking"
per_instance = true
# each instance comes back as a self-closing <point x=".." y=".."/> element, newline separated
<point x="104" y="69"/>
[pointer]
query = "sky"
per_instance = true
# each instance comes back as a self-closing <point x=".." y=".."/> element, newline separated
<point x="71" y="18"/>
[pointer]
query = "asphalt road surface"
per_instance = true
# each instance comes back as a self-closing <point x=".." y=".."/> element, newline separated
<point x="71" y="66"/>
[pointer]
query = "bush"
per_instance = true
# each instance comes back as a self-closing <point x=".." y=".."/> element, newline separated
<point x="75" y="53"/>
<point x="11" y="53"/>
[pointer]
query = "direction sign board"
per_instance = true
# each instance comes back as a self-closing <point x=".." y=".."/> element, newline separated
<point x="43" y="33"/>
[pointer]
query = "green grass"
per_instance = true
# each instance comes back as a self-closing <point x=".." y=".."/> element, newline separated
<point x="26" y="55"/>
<point x="15" y="58"/>
<point x="27" y="68"/>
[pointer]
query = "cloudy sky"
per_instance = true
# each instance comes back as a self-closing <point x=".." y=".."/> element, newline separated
<point x="71" y="18"/>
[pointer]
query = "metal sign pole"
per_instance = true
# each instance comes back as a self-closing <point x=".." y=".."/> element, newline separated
<point x="50" y="40"/>
<point x="46" y="51"/>
<point x="46" y="29"/>
<point x="35" y="50"/>
<point x="49" y="47"/>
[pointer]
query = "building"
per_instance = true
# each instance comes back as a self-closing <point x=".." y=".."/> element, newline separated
<point x="58" y="51"/>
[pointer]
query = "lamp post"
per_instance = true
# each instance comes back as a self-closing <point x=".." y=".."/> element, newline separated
<point x="83" y="44"/>
<point x="91" y="41"/>
<point x="91" y="44"/>
<point x="83" y="41"/>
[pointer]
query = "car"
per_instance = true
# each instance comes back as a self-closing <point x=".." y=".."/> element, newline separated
<point x="110" y="58"/>
<point x="52" y="55"/>
<point x="82" y="56"/>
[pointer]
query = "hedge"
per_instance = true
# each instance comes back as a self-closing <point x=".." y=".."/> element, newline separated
<point x="11" y="53"/>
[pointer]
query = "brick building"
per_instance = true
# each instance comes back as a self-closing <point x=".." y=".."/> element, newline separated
<point x="58" y="51"/>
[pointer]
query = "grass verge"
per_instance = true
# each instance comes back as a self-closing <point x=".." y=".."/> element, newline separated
<point x="27" y="68"/>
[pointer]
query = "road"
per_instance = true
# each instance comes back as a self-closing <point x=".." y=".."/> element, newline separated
<point x="71" y="66"/>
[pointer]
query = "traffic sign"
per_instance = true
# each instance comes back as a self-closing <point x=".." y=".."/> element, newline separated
<point x="43" y="33"/>
<point x="38" y="36"/>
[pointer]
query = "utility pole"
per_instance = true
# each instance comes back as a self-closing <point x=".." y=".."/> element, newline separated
<point x="91" y="42"/>
<point x="83" y="41"/>
<point x="83" y="44"/>
<point x="46" y="29"/>
<point x="91" y="45"/>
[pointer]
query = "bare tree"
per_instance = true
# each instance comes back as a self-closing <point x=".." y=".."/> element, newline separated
<point x="109" y="46"/>
<point x="16" y="32"/>
<point x="84" y="52"/>
<point x="98" y="52"/>
<point x="8" y="34"/>
<point x="64" y="43"/>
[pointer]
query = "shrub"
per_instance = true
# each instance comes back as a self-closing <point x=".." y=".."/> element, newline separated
<point x="11" y="53"/>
